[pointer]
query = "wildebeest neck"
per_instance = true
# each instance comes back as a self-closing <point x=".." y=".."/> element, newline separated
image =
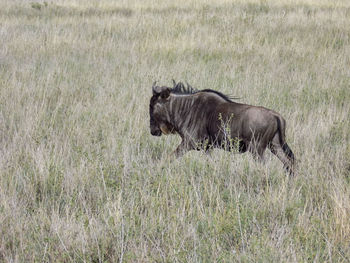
<point x="188" y="111"/>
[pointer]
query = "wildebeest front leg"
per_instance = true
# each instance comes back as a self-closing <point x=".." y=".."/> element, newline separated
<point x="184" y="147"/>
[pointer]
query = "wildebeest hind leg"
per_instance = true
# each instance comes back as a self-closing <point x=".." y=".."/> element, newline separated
<point x="257" y="148"/>
<point x="279" y="150"/>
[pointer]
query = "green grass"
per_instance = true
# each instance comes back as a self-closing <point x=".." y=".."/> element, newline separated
<point x="82" y="179"/>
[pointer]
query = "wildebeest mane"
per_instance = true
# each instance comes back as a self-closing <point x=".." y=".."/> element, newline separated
<point x="179" y="88"/>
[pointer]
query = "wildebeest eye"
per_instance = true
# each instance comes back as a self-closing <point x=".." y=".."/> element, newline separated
<point x="165" y="94"/>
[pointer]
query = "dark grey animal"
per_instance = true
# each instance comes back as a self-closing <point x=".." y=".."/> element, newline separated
<point x="207" y="118"/>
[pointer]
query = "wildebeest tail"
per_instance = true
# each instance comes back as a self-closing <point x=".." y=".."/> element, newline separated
<point x="281" y="128"/>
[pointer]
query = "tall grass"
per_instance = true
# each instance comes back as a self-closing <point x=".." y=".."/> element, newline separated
<point x="83" y="180"/>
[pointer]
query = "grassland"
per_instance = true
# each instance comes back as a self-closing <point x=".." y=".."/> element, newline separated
<point x="82" y="179"/>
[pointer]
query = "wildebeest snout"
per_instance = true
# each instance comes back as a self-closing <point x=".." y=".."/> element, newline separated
<point x="155" y="131"/>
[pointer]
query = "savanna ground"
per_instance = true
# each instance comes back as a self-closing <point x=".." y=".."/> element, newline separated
<point x="82" y="179"/>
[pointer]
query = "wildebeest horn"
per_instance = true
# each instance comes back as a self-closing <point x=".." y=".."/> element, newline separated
<point x="174" y="82"/>
<point x="154" y="88"/>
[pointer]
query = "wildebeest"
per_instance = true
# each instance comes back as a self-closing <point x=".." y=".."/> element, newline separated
<point x="207" y="118"/>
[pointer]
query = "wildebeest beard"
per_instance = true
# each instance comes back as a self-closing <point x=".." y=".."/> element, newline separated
<point x="155" y="129"/>
<point x="207" y="118"/>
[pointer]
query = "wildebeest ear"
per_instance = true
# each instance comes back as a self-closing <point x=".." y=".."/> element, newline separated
<point x="165" y="93"/>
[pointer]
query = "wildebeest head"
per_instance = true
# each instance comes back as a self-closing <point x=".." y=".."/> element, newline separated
<point x="159" y="122"/>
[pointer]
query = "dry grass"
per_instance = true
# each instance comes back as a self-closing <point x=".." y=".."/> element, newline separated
<point x="83" y="180"/>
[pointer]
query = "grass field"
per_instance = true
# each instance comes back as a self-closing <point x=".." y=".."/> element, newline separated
<point x="82" y="179"/>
